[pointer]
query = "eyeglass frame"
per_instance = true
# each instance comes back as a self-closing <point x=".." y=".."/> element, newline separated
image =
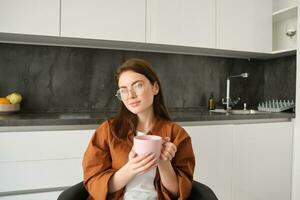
<point x="118" y="93"/>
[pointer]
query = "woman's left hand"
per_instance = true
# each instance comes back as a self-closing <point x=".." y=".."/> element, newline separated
<point x="168" y="150"/>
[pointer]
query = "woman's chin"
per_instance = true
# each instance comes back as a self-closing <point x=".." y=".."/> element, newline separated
<point x="138" y="109"/>
<point x="135" y="110"/>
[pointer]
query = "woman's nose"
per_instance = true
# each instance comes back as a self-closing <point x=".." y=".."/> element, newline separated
<point x="131" y="94"/>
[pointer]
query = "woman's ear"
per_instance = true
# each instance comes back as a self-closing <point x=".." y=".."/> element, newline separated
<point x="155" y="88"/>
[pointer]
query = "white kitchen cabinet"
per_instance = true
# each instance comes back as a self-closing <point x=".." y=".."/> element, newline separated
<point x="244" y="161"/>
<point x="262" y="161"/>
<point x="178" y="22"/>
<point x="34" y="17"/>
<point x="104" y="20"/>
<point x="213" y="148"/>
<point x="244" y="25"/>
<point x="40" y="162"/>
<point x="34" y="196"/>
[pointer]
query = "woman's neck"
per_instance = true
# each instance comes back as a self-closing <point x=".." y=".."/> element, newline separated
<point x="146" y="121"/>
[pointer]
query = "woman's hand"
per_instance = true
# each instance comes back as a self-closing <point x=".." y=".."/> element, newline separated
<point x="140" y="164"/>
<point x="168" y="150"/>
<point x="166" y="171"/>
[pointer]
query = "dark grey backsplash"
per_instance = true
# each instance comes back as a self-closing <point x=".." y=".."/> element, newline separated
<point x="280" y="78"/>
<point x="67" y="79"/>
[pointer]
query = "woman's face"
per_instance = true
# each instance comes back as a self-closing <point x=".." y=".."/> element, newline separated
<point x="136" y="91"/>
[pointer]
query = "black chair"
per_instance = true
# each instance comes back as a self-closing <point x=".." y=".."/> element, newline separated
<point x="78" y="192"/>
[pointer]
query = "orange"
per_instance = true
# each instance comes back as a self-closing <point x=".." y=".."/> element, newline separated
<point x="4" y="100"/>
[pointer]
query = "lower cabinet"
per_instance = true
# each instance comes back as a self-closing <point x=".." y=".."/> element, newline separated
<point x="39" y="164"/>
<point x="237" y="161"/>
<point x="212" y="147"/>
<point x="244" y="161"/>
<point x="262" y="161"/>
<point x="33" y="196"/>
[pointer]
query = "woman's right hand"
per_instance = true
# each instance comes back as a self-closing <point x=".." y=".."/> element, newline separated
<point x="140" y="164"/>
<point x="136" y="165"/>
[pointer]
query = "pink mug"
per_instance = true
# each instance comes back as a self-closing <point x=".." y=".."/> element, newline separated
<point x="145" y="144"/>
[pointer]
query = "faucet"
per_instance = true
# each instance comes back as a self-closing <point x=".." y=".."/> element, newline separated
<point x="228" y="101"/>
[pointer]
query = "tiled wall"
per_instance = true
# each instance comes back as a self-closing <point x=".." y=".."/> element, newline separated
<point x="57" y="79"/>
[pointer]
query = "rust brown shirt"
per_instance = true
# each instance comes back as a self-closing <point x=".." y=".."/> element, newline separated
<point x="106" y="154"/>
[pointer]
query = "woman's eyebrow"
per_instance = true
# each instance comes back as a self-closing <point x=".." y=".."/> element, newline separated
<point x="132" y="83"/>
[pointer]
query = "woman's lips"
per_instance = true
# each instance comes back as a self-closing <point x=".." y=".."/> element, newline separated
<point x="134" y="104"/>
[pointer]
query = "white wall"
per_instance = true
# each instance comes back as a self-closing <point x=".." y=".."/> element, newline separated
<point x="296" y="156"/>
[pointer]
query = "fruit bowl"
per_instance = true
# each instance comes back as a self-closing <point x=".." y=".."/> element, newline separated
<point x="9" y="108"/>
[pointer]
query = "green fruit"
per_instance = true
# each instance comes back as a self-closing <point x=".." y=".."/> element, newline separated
<point x="14" y="98"/>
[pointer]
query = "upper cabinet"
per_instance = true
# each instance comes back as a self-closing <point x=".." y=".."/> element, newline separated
<point x="34" y="17"/>
<point x="105" y="20"/>
<point x="178" y="22"/>
<point x="210" y="27"/>
<point x="244" y="25"/>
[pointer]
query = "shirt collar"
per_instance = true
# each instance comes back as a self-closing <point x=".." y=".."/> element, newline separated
<point x="157" y="127"/>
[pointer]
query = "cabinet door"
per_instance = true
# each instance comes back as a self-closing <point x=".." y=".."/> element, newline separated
<point x="108" y="20"/>
<point x="43" y="145"/>
<point x="35" y="196"/>
<point x="179" y="22"/>
<point x="263" y="161"/>
<point x="36" y="17"/>
<point x="213" y="148"/>
<point x="41" y="159"/>
<point x="244" y="25"/>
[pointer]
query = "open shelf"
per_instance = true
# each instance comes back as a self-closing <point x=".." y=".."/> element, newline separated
<point x="285" y="14"/>
<point x="285" y="51"/>
<point x="282" y="53"/>
<point x="284" y="20"/>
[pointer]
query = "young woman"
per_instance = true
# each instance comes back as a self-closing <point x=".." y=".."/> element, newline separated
<point x="112" y="170"/>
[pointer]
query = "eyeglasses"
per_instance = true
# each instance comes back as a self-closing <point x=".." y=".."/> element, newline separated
<point x="123" y="93"/>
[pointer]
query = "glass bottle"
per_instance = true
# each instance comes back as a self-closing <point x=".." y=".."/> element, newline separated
<point x="211" y="102"/>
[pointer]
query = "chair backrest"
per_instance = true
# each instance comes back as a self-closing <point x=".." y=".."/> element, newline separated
<point x="78" y="192"/>
<point x="75" y="192"/>
<point x="201" y="192"/>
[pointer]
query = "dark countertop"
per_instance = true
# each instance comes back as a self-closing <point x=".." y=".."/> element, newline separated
<point x="182" y="115"/>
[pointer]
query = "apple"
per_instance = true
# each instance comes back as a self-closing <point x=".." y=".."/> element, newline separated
<point x="14" y="98"/>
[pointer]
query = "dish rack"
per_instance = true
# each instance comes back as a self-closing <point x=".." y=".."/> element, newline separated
<point x="276" y="105"/>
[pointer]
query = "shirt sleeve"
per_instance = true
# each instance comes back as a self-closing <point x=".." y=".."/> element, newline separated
<point x="183" y="164"/>
<point x="97" y="164"/>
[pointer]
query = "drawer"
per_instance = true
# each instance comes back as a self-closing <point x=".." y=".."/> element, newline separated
<point x="32" y="175"/>
<point x="43" y="145"/>
<point x="35" y="196"/>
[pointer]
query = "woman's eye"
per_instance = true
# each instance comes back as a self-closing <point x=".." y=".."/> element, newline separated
<point x="123" y="91"/>
<point x="138" y="86"/>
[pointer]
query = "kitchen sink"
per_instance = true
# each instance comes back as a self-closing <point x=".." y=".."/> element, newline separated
<point x="238" y="112"/>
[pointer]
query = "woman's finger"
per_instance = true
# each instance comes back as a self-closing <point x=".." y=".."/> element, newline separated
<point x="143" y="160"/>
<point x="143" y="169"/>
<point x="164" y="157"/>
<point x="170" y="147"/>
<point x="168" y="155"/>
<point x="132" y="154"/>
<point x="173" y="148"/>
